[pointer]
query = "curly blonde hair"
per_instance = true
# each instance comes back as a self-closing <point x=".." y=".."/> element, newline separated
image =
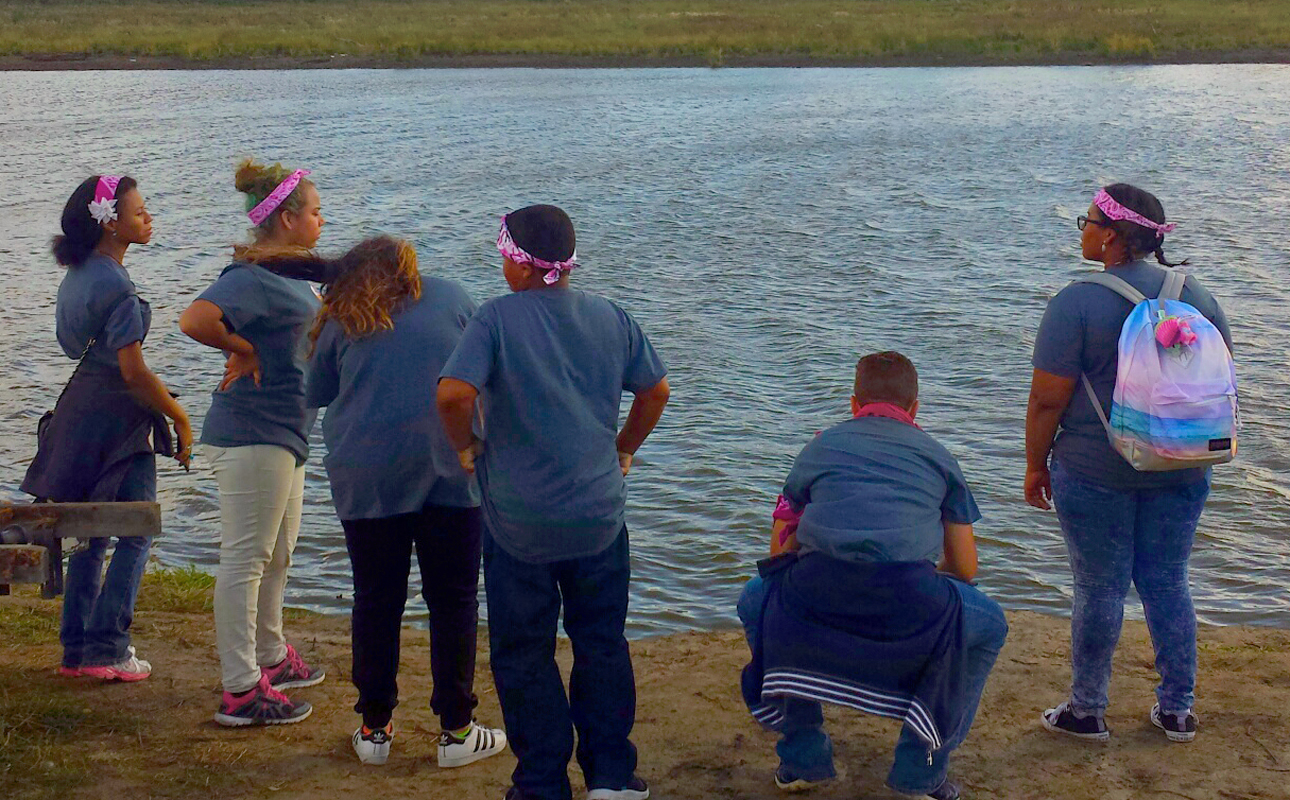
<point x="371" y="282"/>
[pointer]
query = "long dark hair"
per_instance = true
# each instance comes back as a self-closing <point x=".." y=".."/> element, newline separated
<point x="81" y="233"/>
<point x="1140" y="240"/>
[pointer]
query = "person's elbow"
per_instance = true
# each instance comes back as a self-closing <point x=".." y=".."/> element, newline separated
<point x="192" y="322"/>
<point x="454" y="397"/>
<point x="658" y="394"/>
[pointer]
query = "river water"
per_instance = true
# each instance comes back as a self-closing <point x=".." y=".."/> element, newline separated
<point x="765" y="226"/>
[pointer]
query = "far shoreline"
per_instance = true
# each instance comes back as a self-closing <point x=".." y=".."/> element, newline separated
<point x="59" y="62"/>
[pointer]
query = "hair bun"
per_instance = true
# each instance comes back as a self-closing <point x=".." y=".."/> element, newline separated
<point x="258" y="180"/>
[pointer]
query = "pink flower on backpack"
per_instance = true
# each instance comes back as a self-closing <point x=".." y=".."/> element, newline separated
<point x="1174" y="331"/>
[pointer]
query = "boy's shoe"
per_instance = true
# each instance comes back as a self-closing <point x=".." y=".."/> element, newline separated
<point x="1063" y="720"/>
<point x="788" y="781"/>
<point x="292" y="672"/>
<point x="1178" y="727"/>
<point x="70" y="672"/>
<point x="476" y="743"/>
<point x="263" y="705"/>
<point x="946" y="791"/>
<point x="373" y="746"/>
<point x="129" y="669"/>
<point x="634" y="790"/>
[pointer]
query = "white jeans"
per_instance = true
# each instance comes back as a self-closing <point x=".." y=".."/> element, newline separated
<point x="261" y="491"/>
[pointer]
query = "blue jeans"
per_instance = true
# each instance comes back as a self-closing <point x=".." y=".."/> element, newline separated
<point x="805" y="749"/>
<point x="523" y="610"/>
<point x="95" y="630"/>
<point x="1114" y="537"/>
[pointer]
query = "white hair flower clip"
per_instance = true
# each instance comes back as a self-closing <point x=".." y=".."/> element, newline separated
<point x="103" y="206"/>
<point x="103" y="211"/>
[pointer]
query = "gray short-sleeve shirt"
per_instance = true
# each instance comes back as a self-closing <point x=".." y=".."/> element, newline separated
<point x="274" y="314"/>
<point x="387" y="453"/>
<point x="551" y="366"/>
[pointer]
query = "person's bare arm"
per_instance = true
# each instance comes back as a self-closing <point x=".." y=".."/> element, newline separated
<point x="645" y="412"/>
<point x="1049" y="396"/>
<point x="960" y="551"/>
<point x="148" y="389"/>
<point x="203" y="321"/>
<point x="456" y="402"/>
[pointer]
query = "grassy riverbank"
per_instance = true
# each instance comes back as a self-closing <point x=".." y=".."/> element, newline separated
<point x="233" y="33"/>
<point x="65" y="739"/>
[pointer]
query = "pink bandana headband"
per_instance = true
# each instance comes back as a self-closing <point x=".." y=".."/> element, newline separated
<point x="103" y="206"/>
<point x="1113" y="210"/>
<point x="508" y="248"/>
<point x="270" y="204"/>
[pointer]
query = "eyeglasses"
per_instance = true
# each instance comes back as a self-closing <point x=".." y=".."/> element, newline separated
<point x="1081" y="221"/>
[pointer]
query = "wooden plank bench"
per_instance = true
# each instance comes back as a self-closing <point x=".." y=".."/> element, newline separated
<point x="31" y="536"/>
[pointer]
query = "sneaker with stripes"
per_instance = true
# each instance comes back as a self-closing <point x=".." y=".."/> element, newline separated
<point x="263" y="705"/>
<point x="373" y="746"/>
<point x="476" y="743"/>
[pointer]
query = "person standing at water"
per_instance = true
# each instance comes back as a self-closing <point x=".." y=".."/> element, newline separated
<point x="108" y="424"/>
<point x="1120" y="525"/>
<point x="256" y="440"/>
<point x="379" y="342"/>
<point x="550" y="365"/>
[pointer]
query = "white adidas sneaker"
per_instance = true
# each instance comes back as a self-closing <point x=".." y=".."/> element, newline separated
<point x="373" y="746"/>
<point x="477" y="743"/>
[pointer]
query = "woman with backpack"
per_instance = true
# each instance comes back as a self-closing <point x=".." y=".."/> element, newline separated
<point x="100" y="443"/>
<point x="1119" y="523"/>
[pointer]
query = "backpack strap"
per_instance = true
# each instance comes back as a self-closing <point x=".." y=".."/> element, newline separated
<point x="1172" y="289"/>
<point x="1126" y="290"/>
<point x="1116" y="284"/>
<point x="1097" y="404"/>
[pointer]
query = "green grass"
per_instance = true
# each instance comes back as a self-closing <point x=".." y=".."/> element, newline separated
<point x="39" y="734"/>
<point x="183" y="590"/>
<point x="712" y="31"/>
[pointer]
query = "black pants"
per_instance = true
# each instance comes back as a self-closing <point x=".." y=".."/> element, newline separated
<point x="524" y="603"/>
<point x="447" y="542"/>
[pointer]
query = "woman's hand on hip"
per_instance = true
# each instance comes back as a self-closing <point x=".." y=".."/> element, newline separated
<point x="240" y="365"/>
<point x="1039" y="487"/>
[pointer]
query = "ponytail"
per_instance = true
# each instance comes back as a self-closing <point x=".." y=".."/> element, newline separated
<point x="1160" y="257"/>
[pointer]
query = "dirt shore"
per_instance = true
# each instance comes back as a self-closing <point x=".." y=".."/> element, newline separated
<point x="75" y="738"/>
<point x="81" y="61"/>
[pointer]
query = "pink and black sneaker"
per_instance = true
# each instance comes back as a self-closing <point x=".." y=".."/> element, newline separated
<point x="292" y="672"/>
<point x="263" y="705"/>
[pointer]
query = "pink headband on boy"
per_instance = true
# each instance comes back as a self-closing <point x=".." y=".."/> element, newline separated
<point x="1113" y="210"/>
<point x="508" y="248"/>
<point x="269" y="204"/>
<point x="103" y="206"/>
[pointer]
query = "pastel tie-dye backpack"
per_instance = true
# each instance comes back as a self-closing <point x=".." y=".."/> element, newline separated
<point x="1175" y="404"/>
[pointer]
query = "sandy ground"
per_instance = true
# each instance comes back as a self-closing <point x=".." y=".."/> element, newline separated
<point x="695" y="738"/>
<point x="108" y="61"/>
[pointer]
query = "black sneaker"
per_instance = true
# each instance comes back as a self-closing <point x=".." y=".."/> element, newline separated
<point x="634" y="790"/>
<point x="1064" y="720"/>
<point x="946" y="791"/>
<point x="788" y="781"/>
<point x="1178" y="727"/>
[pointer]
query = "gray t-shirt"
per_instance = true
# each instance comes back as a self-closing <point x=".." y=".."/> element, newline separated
<point x="274" y="314"/>
<point x="98" y="298"/>
<point x="1080" y="333"/>
<point x="551" y="366"/>
<point x="877" y="489"/>
<point x="387" y="452"/>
